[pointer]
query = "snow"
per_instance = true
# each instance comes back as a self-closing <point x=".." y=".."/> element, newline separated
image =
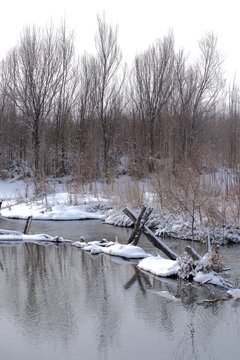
<point x="9" y="235"/>
<point x="12" y="189"/>
<point x="126" y="251"/>
<point x="54" y="207"/>
<point x="114" y="249"/>
<point x="159" y="266"/>
<point x="57" y="212"/>
<point x="235" y="293"/>
<point x="209" y="278"/>
<point x="212" y="277"/>
<point x="117" y="218"/>
<point x="89" y="203"/>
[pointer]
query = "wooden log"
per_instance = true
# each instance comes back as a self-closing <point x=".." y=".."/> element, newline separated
<point x="27" y="225"/>
<point x="152" y="237"/>
<point x="194" y="255"/>
<point x="140" y="228"/>
<point x="136" y="225"/>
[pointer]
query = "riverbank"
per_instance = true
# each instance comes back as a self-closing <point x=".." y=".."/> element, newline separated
<point x="106" y="202"/>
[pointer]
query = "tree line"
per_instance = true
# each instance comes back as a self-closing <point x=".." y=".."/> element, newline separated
<point x="64" y="114"/>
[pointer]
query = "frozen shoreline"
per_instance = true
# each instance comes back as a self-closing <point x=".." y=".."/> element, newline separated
<point x="13" y="236"/>
<point x="64" y="206"/>
<point x="57" y="207"/>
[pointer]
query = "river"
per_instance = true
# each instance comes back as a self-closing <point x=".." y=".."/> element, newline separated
<point x="59" y="303"/>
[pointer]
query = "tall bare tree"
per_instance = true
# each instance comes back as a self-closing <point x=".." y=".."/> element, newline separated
<point x="196" y="95"/>
<point x="108" y="84"/>
<point x="66" y="98"/>
<point x="233" y="124"/>
<point x="32" y="75"/>
<point x="152" y="84"/>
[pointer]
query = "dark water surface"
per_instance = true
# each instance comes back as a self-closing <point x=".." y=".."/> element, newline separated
<point x="57" y="302"/>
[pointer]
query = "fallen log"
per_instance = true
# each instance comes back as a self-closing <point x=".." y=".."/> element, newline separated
<point x="194" y="255"/>
<point x="142" y="219"/>
<point x="140" y="228"/>
<point x="136" y="225"/>
<point x="152" y="237"/>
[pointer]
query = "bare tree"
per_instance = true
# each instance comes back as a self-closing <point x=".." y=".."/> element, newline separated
<point x="66" y="97"/>
<point x="196" y="95"/>
<point x="85" y="98"/>
<point x="32" y="75"/>
<point x="108" y="85"/>
<point x="152" y="85"/>
<point x="233" y="124"/>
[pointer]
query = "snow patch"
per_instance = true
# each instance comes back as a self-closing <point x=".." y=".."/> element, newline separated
<point x="114" y="249"/>
<point x="9" y="235"/>
<point x="234" y="293"/>
<point x="56" y="212"/>
<point x="159" y="266"/>
<point x="208" y="278"/>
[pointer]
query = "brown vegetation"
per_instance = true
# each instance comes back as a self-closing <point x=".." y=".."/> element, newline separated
<point x="170" y="119"/>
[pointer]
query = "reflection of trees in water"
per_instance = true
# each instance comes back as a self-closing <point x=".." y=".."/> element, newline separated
<point x="61" y="292"/>
<point x="189" y="325"/>
<point x="104" y="298"/>
<point x="157" y="313"/>
<point x="197" y="329"/>
<point x="33" y="290"/>
<point x="57" y="292"/>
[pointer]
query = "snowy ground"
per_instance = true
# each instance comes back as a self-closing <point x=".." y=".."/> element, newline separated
<point x="17" y="203"/>
<point x="41" y="210"/>
<point x="93" y="203"/>
<point x="12" y="189"/>
<point x="177" y="226"/>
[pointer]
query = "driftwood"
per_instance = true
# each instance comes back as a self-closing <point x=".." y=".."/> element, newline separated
<point x="152" y="237"/>
<point x="194" y="255"/>
<point x="138" y="227"/>
<point x="27" y="225"/>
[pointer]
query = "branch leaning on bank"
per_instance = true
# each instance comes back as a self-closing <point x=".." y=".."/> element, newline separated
<point x="151" y="236"/>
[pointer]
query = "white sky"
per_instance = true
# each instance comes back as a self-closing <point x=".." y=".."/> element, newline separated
<point x="140" y="23"/>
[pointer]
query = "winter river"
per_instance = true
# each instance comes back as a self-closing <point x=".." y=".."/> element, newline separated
<point x="60" y="303"/>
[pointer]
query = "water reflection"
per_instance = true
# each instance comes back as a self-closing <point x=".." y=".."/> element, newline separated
<point x="61" y="303"/>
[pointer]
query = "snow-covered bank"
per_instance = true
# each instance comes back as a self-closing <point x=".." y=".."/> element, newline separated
<point x="64" y="205"/>
<point x="55" y="207"/>
<point x="9" y="235"/>
<point x="57" y="212"/>
<point x="179" y="227"/>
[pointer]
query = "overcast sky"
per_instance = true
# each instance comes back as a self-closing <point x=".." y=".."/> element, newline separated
<point x="140" y="23"/>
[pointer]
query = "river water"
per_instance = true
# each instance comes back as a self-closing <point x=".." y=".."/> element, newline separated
<point x="57" y="302"/>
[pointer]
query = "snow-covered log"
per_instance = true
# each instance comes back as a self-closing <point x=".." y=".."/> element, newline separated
<point x="194" y="255"/>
